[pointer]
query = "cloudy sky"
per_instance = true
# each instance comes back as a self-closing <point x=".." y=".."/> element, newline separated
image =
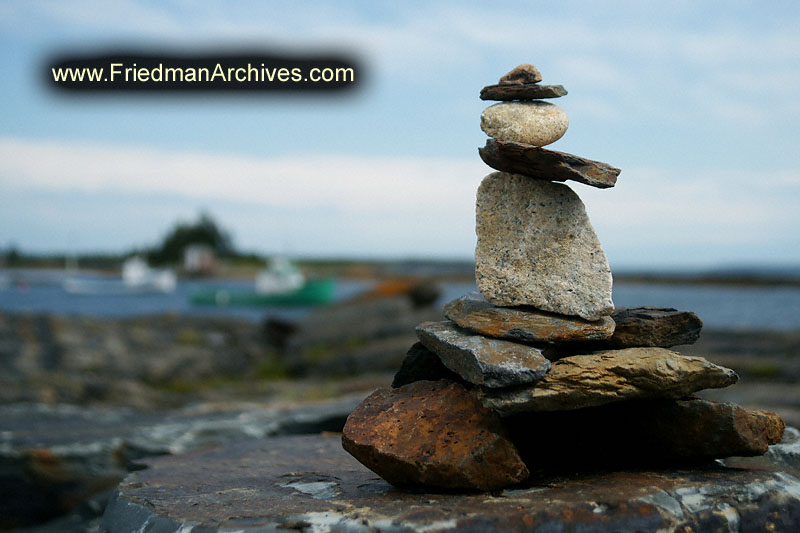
<point x="696" y="103"/>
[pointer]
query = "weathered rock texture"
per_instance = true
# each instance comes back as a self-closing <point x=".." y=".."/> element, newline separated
<point x="53" y="458"/>
<point x="525" y="324"/>
<point x="525" y="91"/>
<point x="524" y="73"/>
<point x="642" y="433"/>
<point x="544" y="164"/>
<point x="654" y="326"/>
<point x="604" y="377"/>
<point x="537" y="123"/>
<point x="481" y="360"/>
<point x="432" y="434"/>
<point x="421" y="364"/>
<point x="537" y="247"/>
<point x="310" y="483"/>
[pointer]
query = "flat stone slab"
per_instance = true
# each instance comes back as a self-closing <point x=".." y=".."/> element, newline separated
<point x="481" y="360"/>
<point x="526" y="324"/>
<point x="433" y="434"/>
<point x="541" y="163"/>
<point x="537" y="247"/>
<point x="522" y="91"/>
<point x="582" y="381"/>
<point x="310" y="483"/>
<point x="654" y="326"/>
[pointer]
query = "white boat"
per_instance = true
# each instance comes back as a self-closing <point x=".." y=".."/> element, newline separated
<point x="137" y="278"/>
<point x="280" y="277"/>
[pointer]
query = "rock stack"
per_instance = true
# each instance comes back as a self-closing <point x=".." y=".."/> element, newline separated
<point x="537" y="373"/>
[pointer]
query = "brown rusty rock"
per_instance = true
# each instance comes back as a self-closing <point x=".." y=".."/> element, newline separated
<point x="421" y="364"/>
<point x="525" y="73"/>
<point x="481" y="360"/>
<point x="654" y="326"/>
<point x="604" y="377"/>
<point x="525" y="91"/>
<point x="643" y="433"/>
<point x="432" y="434"/>
<point x="540" y="163"/>
<point x="525" y="324"/>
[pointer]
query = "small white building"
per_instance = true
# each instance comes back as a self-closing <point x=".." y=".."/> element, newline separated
<point x="199" y="260"/>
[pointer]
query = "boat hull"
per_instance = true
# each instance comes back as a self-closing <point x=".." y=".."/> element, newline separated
<point x="314" y="292"/>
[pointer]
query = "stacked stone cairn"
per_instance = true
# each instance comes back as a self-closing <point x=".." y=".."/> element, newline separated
<point x="537" y="373"/>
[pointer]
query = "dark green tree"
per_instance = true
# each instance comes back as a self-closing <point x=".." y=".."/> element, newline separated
<point x="203" y="231"/>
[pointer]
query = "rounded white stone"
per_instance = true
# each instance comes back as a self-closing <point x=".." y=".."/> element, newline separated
<point x="536" y="122"/>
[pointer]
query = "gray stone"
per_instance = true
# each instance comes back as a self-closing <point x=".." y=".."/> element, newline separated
<point x="540" y="163"/>
<point x="263" y="485"/>
<point x="55" y="457"/>
<point x="481" y="360"/>
<point x="536" y="123"/>
<point x="525" y="324"/>
<point x="654" y="326"/>
<point x="523" y="92"/>
<point x="537" y="247"/>
<point x="582" y="381"/>
<point x="422" y="364"/>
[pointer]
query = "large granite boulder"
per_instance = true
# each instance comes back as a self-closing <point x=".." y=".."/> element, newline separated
<point x="537" y="247"/>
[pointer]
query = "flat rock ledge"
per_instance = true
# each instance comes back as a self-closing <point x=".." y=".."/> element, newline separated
<point x="524" y="324"/>
<point x="522" y="91"/>
<point x="481" y="360"/>
<point x="310" y="483"/>
<point x="550" y="165"/>
<point x="582" y="381"/>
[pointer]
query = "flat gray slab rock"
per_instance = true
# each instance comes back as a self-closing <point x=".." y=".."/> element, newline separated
<point x="523" y="91"/>
<point x="525" y="324"/>
<point x="604" y="377"/>
<point x="540" y="163"/>
<point x="481" y="360"/>
<point x="537" y="247"/>
<point x="654" y="326"/>
<point x="312" y="484"/>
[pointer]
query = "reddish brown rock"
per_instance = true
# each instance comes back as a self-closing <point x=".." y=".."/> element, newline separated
<point x="481" y="360"/>
<point x="643" y="433"/>
<point x="525" y="91"/>
<point x="654" y="326"/>
<point x="611" y="376"/>
<point x="540" y="163"/>
<point x="432" y="434"/>
<point x="525" y="73"/>
<point x="525" y="324"/>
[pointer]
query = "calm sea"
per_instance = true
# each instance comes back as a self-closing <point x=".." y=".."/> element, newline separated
<point x="776" y="308"/>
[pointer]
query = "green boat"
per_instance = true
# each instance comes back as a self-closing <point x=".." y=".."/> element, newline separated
<point x="312" y="292"/>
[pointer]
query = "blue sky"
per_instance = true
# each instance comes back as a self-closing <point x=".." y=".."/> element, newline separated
<point x="696" y="103"/>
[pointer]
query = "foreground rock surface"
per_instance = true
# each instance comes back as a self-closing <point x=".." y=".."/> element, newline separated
<point x="642" y="433"/>
<point x="52" y="458"/>
<point x="654" y="326"/>
<point x="525" y="324"/>
<point x="311" y="484"/>
<point x="610" y="376"/>
<point x="537" y="123"/>
<point x="481" y="360"/>
<point x="432" y="434"/>
<point x="540" y="163"/>
<point x="537" y="247"/>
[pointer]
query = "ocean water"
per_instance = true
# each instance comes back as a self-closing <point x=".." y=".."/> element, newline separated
<point x="728" y="307"/>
